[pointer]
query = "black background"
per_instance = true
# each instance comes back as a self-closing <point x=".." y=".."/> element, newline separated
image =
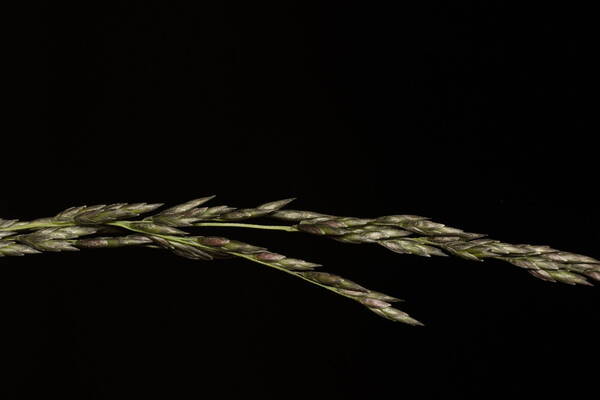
<point x="476" y="114"/>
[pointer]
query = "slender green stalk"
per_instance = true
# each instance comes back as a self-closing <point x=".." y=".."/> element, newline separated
<point x="286" y="228"/>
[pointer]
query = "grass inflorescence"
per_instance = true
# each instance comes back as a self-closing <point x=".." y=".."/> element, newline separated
<point x="121" y="224"/>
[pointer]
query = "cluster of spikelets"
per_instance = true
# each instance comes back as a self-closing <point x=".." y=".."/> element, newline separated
<point x="107" y="226"/>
